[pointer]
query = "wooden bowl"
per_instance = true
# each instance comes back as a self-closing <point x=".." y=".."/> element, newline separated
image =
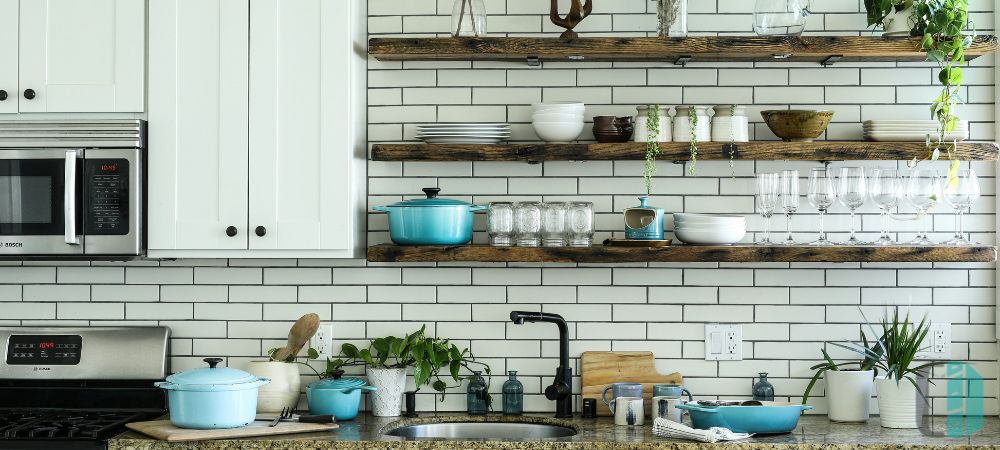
<point x="797" y="125"/>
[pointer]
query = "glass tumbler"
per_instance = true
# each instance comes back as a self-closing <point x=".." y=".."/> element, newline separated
<point x="500" y="224"/>
<point x="554" y="229"/>
<point x="580" y="220"/>
<point x="780" y="17"/>
<point x="528" y="224"/>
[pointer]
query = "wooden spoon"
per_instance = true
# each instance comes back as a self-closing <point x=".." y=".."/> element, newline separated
<point x="298" y="336"/>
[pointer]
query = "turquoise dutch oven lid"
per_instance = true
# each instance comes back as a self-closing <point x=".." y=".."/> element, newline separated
<point x="212" y="378"/>
<point x="431" y="200"/>
<point x="338" y="382"/>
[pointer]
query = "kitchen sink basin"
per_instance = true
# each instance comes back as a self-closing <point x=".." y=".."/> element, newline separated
<point x="482" y="430"/>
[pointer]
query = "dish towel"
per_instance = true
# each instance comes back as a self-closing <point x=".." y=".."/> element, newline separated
<point x="670" y="429"/>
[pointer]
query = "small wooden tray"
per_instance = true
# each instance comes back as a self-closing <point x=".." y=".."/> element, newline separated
<point x="613" y="242"/>
<point x="165" y="431"/>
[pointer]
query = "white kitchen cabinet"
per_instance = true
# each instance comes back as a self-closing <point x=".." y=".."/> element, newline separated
<point x="283" y="146"/>
<point x="8" y="56"/>
<point x="81" y="55"/>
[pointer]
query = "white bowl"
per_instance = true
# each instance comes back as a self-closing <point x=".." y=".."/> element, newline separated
<point x="558" y="131"/>
<point x="713" y="228"/>
<point x="710" y="217"/>
<point x="711" y="237"/>
<point x="573" y="109"/>
<point x="557" y="117"/>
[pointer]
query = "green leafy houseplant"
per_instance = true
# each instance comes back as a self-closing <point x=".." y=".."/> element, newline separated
<point x="428" y="356"/>
<point x="693" y="120"/>
<point x="652" y="146"/>
<point x="869" y="362"/>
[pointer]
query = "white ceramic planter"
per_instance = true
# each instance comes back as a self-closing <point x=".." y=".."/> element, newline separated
<point x="848" y="394"/>
<point x="283" y="391"/>
<point x="897" y="403"/>
<point x="897" y="23"/>
<point x="387" y="400"/>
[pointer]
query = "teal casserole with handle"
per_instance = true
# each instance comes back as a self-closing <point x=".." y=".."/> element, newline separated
<point x="431" y="220"/>
<point x="771" y="418"/>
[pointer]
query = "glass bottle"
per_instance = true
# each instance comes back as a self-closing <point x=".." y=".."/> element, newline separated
<point x="477" y="395"/>
<point x="468" y="18"/>
<point x="673" y="17"/>
<point x="513" y="395"/>
<point x="763" y="391"/>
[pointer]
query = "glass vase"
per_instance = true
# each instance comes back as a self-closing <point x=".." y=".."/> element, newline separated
<point x="468" y="18"/>
<point x="478" y="395"/>
<point x="763" y="391"/>
<point x="513" y="395"/>
<point x="673" y="17"/>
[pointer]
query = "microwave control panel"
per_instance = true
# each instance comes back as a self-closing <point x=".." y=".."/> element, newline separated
<point x="51" y="350"/>
<point x="108" y="197"/>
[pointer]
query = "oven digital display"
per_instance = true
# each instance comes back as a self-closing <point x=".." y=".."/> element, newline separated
<point x="54" y="350"/>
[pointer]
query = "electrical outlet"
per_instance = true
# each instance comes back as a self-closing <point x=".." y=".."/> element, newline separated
<point x="322" y="341"/>
<point x="937" y="344"/>
<point x="723" y="342"/>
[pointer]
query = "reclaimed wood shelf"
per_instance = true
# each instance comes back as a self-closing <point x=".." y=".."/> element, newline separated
<point x="821" y="49"/>
<point x="679" y="151"/>
<point x="680" y="253"/>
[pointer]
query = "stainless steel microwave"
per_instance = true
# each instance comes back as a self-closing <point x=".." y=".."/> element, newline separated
<point x="72" y="188"/>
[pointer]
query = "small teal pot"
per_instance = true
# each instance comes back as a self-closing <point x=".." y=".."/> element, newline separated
<point x="339" y="397"/>
<point x="644" y="222"/>
<point x="772" y="418"/>
<point x="431" y="220"/>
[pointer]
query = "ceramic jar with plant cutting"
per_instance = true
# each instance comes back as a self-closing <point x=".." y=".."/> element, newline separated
<point x="848" y="384"/>
<point x="389" y="358"/>
<point x="281" y="369"/>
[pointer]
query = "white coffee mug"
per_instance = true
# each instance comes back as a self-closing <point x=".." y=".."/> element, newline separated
<point x="629" y="411"/>
<point x="666" y="408"/>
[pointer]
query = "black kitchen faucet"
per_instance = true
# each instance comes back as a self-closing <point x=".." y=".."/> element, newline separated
<point x="561" y="390"/>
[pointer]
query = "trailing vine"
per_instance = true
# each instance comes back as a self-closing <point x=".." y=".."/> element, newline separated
<point x="693" y="120"/>
<point x="652" y="146"/>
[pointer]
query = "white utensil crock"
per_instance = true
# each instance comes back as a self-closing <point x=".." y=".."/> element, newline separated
<point x="387" y="401"/>
<point x="898" y="22"/>
<point x="848" y="394"/>
<point x="897" y="403"/>
<point x="283" y="391"/>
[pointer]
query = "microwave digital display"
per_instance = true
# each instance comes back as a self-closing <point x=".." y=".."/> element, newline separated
<point x="107" y="197"/>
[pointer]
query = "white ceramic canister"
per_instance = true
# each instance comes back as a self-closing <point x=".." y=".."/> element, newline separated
<point x="849" y="393"/>
<point x="387" y="399"/>
<point x="899" y="23"/>
<point x="283" y="391"/>
<point x="641" y="121"/>
<point x="682" y="124"/>
<point x="897" y="403"/>
<point x="730" y="124"/>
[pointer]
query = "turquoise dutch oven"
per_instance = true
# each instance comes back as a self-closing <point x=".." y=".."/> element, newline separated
<point x="212" y="397"/>
<point x="431" y="220"/>
<point x="337" y="396"/>
<point x="771" y="418"/>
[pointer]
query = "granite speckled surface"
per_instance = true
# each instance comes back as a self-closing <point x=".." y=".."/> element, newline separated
<point x="367" y="433"/>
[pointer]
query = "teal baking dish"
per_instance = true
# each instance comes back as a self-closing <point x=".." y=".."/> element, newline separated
<point x="771" y="418"/>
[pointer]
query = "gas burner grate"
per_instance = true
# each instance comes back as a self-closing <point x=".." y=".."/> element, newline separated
<point x="68" y="425"/>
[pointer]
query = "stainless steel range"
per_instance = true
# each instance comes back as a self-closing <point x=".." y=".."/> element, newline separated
<point x="73" y="388"/>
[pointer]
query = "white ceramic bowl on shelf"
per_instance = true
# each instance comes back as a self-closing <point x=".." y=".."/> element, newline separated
<point x="558" y="132"/>
<point x="709" y="219"/>
<point x="557" y="117"/>
<point x="723" y="236"/>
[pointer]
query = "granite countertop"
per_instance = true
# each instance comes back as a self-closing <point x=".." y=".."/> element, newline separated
<point x="366" y="433"/>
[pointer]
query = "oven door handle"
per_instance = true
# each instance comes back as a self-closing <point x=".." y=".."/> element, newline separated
<point x="69" y="198"/>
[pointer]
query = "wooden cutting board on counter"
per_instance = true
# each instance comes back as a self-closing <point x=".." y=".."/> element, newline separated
<point x="599" y="369"/>
<point x="165" y="431"/>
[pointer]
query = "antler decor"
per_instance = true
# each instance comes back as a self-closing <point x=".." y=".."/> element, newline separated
<point x="577" y="13"/>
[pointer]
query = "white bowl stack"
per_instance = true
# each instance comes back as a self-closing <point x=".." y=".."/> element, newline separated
<point x="911" y="130"/>
<point x="709" y="229"/>
<point x="558" y="122"/>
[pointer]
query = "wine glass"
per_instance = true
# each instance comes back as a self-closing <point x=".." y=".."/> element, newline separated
<point x="961" y="193"/>
<point x="767" y="201"/>
<point x="851" y="192"/>
<point x="886" y="191"/>
<point x="789" y="200"/>
<point x="923" y="191"/>
<point x="821" y="196"/>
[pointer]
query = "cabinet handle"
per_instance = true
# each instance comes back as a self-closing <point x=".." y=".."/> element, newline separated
<point x="29" y="94"/>
<point x="231" y="231"/>
<point x="260" y="231"/>
<point x="3" y="95"/>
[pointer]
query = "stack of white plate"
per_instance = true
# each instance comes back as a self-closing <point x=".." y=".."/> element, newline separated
<point x="559" y="122"/>
<point x="463" y="133"/>
<point x="911" y="130"/>
<point x="709" y="229"/>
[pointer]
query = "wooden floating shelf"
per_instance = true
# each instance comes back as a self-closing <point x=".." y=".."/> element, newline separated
<point x="680" y="253"/>
<point x="821" y="49"/>
<point x="679" y="151"/>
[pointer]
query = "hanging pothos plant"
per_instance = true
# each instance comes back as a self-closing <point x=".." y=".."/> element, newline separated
<point x="940" y="24"/>
<point x="652" y="146"/>
<point x="693" y="120"/>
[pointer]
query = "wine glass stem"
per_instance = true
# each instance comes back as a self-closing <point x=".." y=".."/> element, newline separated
<point x="852" y="225"/>
<point x="923" y="224"/>
<point x="788" y="224"/>
<point x="961" y="223"/>
<point x="767" y="227"/>
<point x="885" y="223"/>
<point x="822" y="225"/>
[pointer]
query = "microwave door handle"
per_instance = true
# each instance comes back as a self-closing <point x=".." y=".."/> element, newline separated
<point x="69" y="200"/>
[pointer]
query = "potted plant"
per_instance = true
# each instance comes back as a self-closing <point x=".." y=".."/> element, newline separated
<point x="284" y="389"/>
<point x="848" y="384"/>
<point x="388" y="359"/>
<point x="896" y="17"/>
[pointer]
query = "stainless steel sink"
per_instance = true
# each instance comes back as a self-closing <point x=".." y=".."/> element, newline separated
<point x="482" y="430"/>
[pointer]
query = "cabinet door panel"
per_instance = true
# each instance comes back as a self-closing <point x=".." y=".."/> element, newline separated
<point x="83" y="55"/>
<point x="301" y="137"/>
<point x="8" y="55"/>
<point x="198" y="119"/>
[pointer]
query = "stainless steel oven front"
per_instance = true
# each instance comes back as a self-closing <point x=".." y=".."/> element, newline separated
<point x="72" y="188"/>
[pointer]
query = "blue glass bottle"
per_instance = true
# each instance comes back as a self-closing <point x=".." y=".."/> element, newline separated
<point x="477" y="396"/>
<point x="763" y="391"/>
<point x="513" y="395"/>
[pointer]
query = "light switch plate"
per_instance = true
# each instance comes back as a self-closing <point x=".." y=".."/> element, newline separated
<point x="723" y="342"/>
<point x="937" y="344"/>
<point x="322" y="341"/>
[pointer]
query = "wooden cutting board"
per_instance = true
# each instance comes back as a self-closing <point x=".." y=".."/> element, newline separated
<point x="599" y="369"/>
<point x="165" y="431"/>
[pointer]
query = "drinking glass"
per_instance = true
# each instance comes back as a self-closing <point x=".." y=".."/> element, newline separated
<point x="554" y="224"/>
<point x="500" y="224"/>
<point x="767" y="200"/>
<point x="923" y="190"/>
<point x="528" y="224"/>
<point x="789" y="200"/>
<point x="852" y="191"/>
<point x="961" y="193"/>
<point x="580" y="219"/>
<point x="886" y="190"/>
<point x="780" y="17"/>
<point x="821" y="196"/>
